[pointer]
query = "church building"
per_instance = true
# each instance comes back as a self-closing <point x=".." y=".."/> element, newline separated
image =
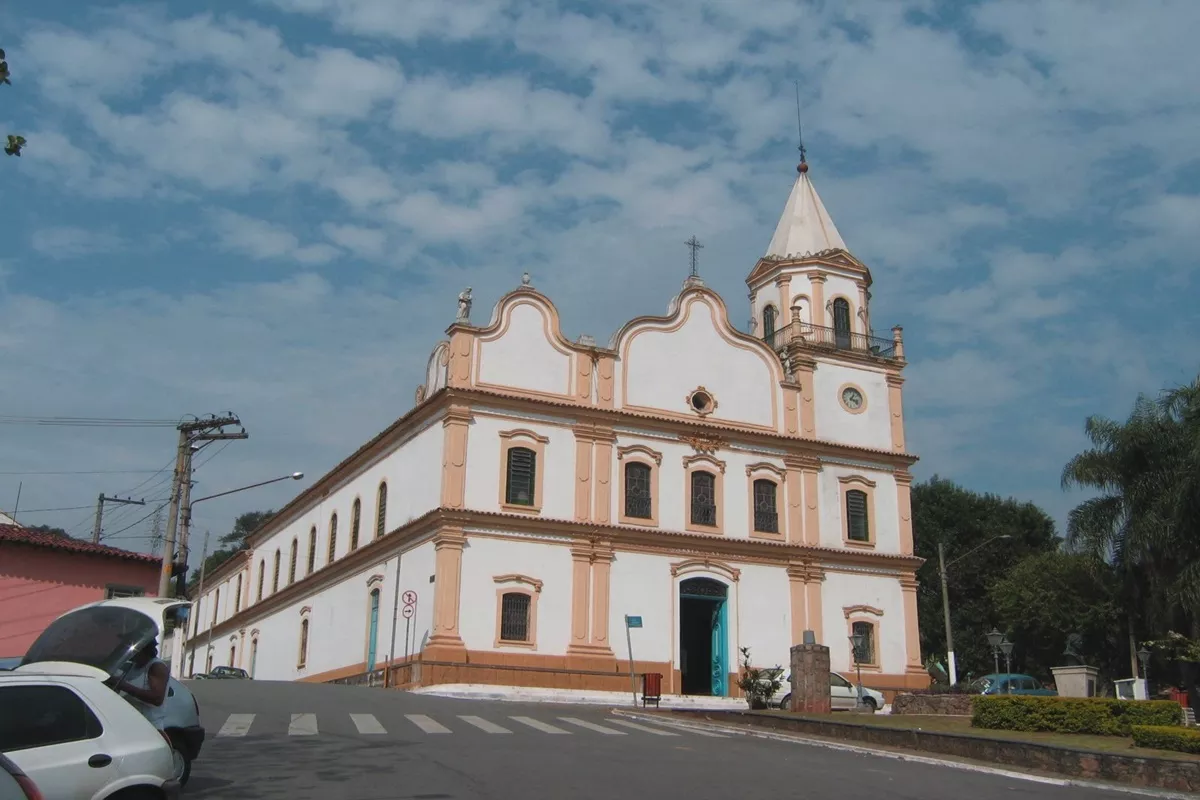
<point x="724" y="489"/>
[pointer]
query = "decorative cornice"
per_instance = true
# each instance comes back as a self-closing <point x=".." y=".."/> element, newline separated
<point x="690" y="565"/>
<point x="704" y="458"/>
<point x="639" y="449"/>
<point x="802" y="462"/>
<point x="703" y="442"/>
<point x="894" y="379"/>
<point x="859" y="479"/>
<point x="516" y="578"/>
<point x="764" y="466"/>
<point x="525" y="433"/>
<point x="374" y="580"/>
<point x="850" y="611"/>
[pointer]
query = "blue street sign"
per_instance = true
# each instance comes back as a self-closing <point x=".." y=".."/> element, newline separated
<point x="633" y="622"/>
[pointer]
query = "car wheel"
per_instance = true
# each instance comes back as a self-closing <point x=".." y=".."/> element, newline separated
<point x="181" y="767"/>
<point x="869" y="702"/>
<point x="786" y="702"/>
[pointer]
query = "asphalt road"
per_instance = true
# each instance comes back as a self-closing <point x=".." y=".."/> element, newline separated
<point x="302" y="741"/>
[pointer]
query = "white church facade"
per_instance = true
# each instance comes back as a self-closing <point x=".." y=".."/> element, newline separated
<point x="729" y="489"/>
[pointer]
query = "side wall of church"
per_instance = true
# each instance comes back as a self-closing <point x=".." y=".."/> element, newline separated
<point x="882" y="507"/>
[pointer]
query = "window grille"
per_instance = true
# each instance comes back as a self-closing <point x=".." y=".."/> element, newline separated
<point x="381" y="511"/>
<point x="704" y="498"/>
<point x="332" y="539"/>
<point x="866" y="652"/>
<point x="312" y="550"/>
<point x="857" y="522"/>
<point x="637" y="491"/>
<point x="514" y="617"/>
<point x="522" y="472"/>
<point x="766" y="515"/>
<point x="355" y="519"/>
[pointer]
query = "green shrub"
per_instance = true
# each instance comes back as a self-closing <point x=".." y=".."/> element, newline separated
<point x="1163" y="737"/>
<point x="1099" y="716"/>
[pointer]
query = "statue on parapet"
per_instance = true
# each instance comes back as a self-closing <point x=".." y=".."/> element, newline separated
<point x="464" y="305"/>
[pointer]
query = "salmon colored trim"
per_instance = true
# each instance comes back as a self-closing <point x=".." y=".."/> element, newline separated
<point x="912" y="630"/>
<point x="523" y="437"/>
<point x="896" y="411"/>
<point x="601" y="585"/>
<point x="816" y="283"/>
<point x="584" y="463"/>
<point x="691" y="565"/>
<point x="797" y="595"/>
<point x="904" y="506"/>
<point x="795" y="506"/>
<point x="812" y="588"/>
<point x="455" y="425"/>
<point x="863" y="307"/>
<point x="848" y="483"/>
<point x="792" y="399"/>
<point x="584" y="363"/>
<point x="784" y="284"/>
<point x="461" y="356"/>
<point x="448" y="549"/>
<point x="581" y="585"/>
<point x="602" y="508"/>
<point x="702" y="462"/>
<point x="812" y="511"/>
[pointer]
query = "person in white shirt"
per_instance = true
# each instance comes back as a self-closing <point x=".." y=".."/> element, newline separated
<point x="145" y="686"/>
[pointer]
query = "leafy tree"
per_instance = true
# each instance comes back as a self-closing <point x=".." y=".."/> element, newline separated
<point x="52" y="531"/>
<point x="234" y="541"/>
<point x="15" y="143"/>
<point x="1047" y="596"/>
<point x="962" y="521"/>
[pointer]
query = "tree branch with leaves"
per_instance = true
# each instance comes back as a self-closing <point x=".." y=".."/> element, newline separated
<point x="15" y="143"/>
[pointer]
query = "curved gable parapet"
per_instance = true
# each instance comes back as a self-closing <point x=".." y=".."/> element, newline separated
<point x="523" y="350"/>
<point x="436" y="368"/>
<point x="694" y="364"/>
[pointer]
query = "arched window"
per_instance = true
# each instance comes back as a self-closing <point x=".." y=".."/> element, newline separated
<point x="766" y="514"/>
<point x="312" y="550"/>
<point x="769" y="315"/>
<point x="381" y="510"/>
<point x="858" y="524"/>
<point x="522" y="470"/>
<point x="637" y="490"/>
<point x="704" y="498"/>
<point x="262" y="576"/>
<point x="841" y="323"/>
<point x="332" y="539"/>
<point x="232" y="654"/>
<point x="303" y="643"/>
<point x="355" y="521"/>
<point x="275" y="575"/>
<point x="866" y="651"/>
<point x="292" y="563"/>
<point x="514" y="617"/>
<point x="237" y="598"/>
<point x="216" y="605"/>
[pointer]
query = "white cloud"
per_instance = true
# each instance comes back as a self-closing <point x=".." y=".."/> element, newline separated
<point x="263" y="240"/>
<point x="64" y="242"/>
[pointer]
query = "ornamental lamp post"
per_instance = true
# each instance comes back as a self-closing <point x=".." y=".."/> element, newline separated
<point x="994" y="639"/>
<point x="1006" y="647"/>
<point x="1143" y="656"/>
<point x="856" y="642"/>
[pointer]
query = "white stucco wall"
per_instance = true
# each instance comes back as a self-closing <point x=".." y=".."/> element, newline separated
<point x="884" y="516"/>
<point x="640" y="585"/>
<point x="483" y="560"/>
<point x="843" y="589"/>
<point x="871" y="428"/>
<point x="524" y="357"/>
<point x="659" y="369"/>
<point x="485" y="471"/>
<point x="765" y="615"/>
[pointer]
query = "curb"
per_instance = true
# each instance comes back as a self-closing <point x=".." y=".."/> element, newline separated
<point x="965" y="766"/>
<point x="561" y="700"/>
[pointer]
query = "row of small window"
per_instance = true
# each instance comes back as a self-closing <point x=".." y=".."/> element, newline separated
<point x="639" y="496"/>
<point x="355" y="524"/>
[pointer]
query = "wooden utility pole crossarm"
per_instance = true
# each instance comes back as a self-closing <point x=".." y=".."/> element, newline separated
<point x="100" y="501"/>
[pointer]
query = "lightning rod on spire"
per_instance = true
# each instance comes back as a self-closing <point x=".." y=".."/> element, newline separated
<point x="802" y="167"/>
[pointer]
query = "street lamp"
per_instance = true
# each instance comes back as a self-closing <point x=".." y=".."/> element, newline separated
<point x="856" y="642"/>
<point x="994" y="639"/>
<point x="1006" y="647"/>
<point x="951" y="667"/>
<point x="1143" y="656"/>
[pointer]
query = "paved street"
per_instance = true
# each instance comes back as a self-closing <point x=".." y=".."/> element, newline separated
<point x="276" y="740"/>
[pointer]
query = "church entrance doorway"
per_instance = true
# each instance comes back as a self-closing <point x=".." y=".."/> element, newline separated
<point x="703" y="636"/>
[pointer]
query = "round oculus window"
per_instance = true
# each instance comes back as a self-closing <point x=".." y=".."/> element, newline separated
<point x="852" y="398"/>
<point x="701" y="401"/>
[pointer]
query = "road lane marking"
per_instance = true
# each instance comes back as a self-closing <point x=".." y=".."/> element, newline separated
<point x="484" y="725"/>
<point x="426" y="724"/>
<point x="591" y="726"/>
<point x="236" y="725"/>
<point x="646" y="728"/>
<point x="538" y="726"/>
<point x="303" y="725"/>
<point x="366" y="723"/>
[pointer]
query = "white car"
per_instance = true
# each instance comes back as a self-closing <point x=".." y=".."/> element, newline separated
<point x="76" y="738"/>
<point x="99" y="641"/>
<point x="843" y="695"/>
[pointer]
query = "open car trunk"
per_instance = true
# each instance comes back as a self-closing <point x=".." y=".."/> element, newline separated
<point x="100" y="641"/>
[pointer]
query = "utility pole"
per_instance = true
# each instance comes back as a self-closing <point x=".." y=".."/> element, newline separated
<point x="951" y="667"/>
<point x="100" y="501"/>
<point x="209" y="429"/>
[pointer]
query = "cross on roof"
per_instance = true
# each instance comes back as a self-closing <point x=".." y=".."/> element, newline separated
<point x="695" y="246"/>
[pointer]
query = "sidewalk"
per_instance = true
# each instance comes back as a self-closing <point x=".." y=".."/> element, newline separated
<point x="530" y="694"/>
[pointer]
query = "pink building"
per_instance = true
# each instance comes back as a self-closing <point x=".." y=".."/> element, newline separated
<point x="43" y="576"/>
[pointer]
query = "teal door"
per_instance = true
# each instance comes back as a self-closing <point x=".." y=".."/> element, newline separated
<point x="720" y="645"/>
<point x="372" y="633"/>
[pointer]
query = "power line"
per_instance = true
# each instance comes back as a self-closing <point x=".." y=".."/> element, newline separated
<point x="87" y="422"/>
<point x="132" y="524"/>
<point x="42" y="510"/>
<point x="160" y="470"/>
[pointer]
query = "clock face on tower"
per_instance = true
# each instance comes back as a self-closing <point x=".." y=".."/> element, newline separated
<point x="852" y="398"/>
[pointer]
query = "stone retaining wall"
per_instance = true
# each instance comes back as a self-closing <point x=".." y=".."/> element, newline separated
<point x="942" y="704"/>
<point x="1158" y="773"/>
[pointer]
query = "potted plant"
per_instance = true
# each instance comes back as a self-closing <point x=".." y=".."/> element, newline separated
<point x="758" y="685"/>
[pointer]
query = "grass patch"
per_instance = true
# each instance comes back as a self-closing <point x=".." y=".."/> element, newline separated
<point x="962" y="726"/>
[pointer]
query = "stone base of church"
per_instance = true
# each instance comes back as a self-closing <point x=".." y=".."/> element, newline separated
<point x="589" y="672"/>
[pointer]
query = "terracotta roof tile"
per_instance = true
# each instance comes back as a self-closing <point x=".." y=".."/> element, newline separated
<point x="16" y="534"/>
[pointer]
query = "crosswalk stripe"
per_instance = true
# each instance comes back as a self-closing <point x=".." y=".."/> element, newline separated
<point x="426" y="723"/>
<point x="236" y="725"/>
<point x="647" y="729"/>
<point x="366" y="723"/>
<point x="303" y="725"/>
<point x="484" y="725"/>
<point x="591" y="726"/>
<point x="537" y="725"/>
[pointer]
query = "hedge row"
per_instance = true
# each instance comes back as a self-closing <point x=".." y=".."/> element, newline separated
<point x="1161" y="737"/>
<point x="1092" y="715"/>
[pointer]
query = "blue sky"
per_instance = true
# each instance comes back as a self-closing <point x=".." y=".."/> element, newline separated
<point x="270" y="207"/>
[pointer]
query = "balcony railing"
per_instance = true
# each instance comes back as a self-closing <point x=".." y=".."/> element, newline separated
<point x="766" y="521"/>
<point x="822" y="338"/>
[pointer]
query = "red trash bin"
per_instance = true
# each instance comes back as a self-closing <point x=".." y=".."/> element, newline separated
<point x="651" y="688"/>
<point x="1179" y="696"/>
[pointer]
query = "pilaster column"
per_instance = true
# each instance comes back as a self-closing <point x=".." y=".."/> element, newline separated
<point x="904" y="506"/>
<point x="912" y="633"/>
<point x="812" y="588"/>
<point x="591" y="567"/>
<point x="583" y="477"/>
<point x="809" y="469"/>
<point x="458" y="371"/>
<point x="605" y="390"/>
<point x="794" y="487"/>
<point x="896" y="411"/>
<point x="798" y="593"/>
<point x="792" y="401"/>
<point x="602" y="450"/>
<point x="803" y="367"/>
<point x="601" y="580"/>
<point x="816" y="283"/>
<point x="865" y="319"/>
<point x="581" y="585"/>
<point x="446" y="643"/>
<point x="455" y="425"/>
<point x="784" y="284"/>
